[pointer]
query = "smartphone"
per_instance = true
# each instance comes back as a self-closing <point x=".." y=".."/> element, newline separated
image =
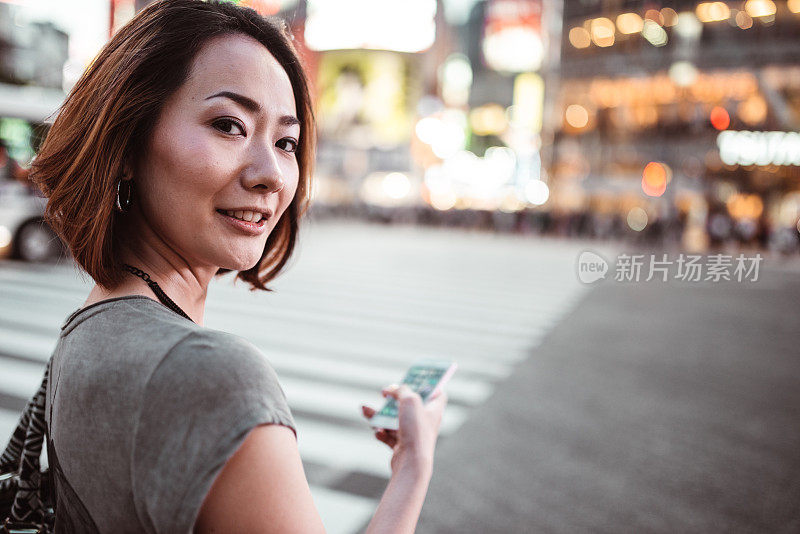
<point x="425" y="377"/>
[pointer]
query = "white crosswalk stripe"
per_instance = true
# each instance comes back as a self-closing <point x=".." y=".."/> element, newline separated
<point x="357" y="306"/>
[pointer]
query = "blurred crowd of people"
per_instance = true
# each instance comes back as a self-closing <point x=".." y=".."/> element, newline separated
<point x="724" y="233"/>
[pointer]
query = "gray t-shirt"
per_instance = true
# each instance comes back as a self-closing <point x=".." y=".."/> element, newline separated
<point x="144" y="407"/>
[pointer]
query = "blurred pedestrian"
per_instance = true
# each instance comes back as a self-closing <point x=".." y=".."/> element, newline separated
<point x="194" y="147"/>
<point x="719" y="228"/>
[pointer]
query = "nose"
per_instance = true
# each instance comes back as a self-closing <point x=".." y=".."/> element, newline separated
<point x="264" y="172"/>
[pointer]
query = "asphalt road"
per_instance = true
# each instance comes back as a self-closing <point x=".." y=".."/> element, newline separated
<point x="652" y="407"/>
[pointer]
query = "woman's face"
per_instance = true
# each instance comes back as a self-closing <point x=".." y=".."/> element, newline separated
<point x="221" y="166"/>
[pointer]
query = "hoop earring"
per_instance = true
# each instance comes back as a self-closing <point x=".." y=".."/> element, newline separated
<point x="124" y="201"/>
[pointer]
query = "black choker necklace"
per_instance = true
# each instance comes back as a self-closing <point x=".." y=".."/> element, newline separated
<point x="165" y="300"/>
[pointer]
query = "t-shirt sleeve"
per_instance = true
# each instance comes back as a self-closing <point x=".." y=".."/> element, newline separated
<point x="200" y="403"/>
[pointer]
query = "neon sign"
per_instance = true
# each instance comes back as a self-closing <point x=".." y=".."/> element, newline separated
<point x="759" y="148"/>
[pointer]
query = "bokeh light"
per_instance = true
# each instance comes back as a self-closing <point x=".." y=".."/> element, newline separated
<point x="387" y="189"/>
<point x="743" y="20"/>
<point x="537" y="192"/>
<point x="455" y="77"/>
<point x="683" y="73"/>
<point x="445" y="134"/>
<point x="712" y="11"/>
<point x="654" y="15"/>
<point x="577" y="116"/>
<point x="602" y="32"/>
<point x="628" y="23"/>
<point x="637" y="219"/>
<point x="443" y="201"/>
<point x="654" y="33"/>
<point x="654" y="179"/>
<point x="579" y="37"/>
<point x="789" y="209"/>
<point x="396" y="185"/>
<point x="753" y="110"/>
<point x="687" y="26"/>
<point x="488" y="120"/>
<point x="741" y="206"/>
<point x="669" y="16"/>
<point x="719" y="118"/>
<point x="760" y="8"/>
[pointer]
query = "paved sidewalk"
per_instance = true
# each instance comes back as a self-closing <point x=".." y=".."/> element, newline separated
<point x="653" y="407"/>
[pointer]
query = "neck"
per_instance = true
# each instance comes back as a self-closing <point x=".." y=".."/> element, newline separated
<point x="184" y="283"/>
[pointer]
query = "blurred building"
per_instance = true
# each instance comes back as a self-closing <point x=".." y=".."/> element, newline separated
<point x="30" y="53"/>
<point x="372" y="66"/>
<point x="424" y="116"/>
<point x="680" y="119"/>
<point x="32" y="57"/>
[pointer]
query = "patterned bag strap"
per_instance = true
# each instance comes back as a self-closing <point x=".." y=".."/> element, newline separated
<point x="9" y="461"/>
<point x="21" y="456"/>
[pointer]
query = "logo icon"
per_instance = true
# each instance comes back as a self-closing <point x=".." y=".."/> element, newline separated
<point x="591" y="267"/>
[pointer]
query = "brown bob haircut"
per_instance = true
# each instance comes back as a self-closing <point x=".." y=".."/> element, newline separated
<point x="110" y="114"/>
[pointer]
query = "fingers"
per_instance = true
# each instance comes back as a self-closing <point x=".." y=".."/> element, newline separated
<point x="440" y="398"/>
<point x="397" y="391"/>
<point x="400" y="392"/>
<point x="389" y="437"/>
<point x="390" y="391"/>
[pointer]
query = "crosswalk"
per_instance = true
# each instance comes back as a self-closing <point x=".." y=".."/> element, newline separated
<point x="357" y="305"/>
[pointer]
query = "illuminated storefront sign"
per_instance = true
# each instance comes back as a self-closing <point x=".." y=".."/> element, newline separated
<point x="759" y="148"/>
<point x="512" y="40"/>
<point x="366" y="99"/>
<point x="407" y="26"/>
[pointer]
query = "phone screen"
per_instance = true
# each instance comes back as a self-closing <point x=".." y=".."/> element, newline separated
<point x="421" y="379"/>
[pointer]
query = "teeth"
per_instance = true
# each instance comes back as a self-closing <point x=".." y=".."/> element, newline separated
<point x="249" y="216"/>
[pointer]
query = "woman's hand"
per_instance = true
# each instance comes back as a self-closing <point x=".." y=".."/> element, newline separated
<point x="414" y="441"/>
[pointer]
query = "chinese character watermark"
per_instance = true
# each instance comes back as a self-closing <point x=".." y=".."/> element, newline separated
<point x="684" y="268"/>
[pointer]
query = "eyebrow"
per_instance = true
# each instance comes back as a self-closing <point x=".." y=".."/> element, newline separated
<point x="252" y="106"/>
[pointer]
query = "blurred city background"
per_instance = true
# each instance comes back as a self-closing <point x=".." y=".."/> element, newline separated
<point x="469" y="151"/>
<point x="662" y="122"/>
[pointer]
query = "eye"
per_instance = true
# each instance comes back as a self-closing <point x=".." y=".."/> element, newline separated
<point x="229" y="126"/>
<point x="288" y="144"/>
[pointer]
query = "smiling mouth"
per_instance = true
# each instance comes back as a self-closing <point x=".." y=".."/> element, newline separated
<point x="246" y="216"/>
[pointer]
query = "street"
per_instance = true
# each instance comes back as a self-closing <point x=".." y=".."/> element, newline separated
<point x="359" y="304"/>
<point x="614" y="407"/>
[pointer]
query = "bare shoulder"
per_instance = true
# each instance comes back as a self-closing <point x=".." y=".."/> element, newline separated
<point x="261" y="488"/>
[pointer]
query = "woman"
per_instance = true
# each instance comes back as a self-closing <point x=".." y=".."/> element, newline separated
<point x="184" y="152"/>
